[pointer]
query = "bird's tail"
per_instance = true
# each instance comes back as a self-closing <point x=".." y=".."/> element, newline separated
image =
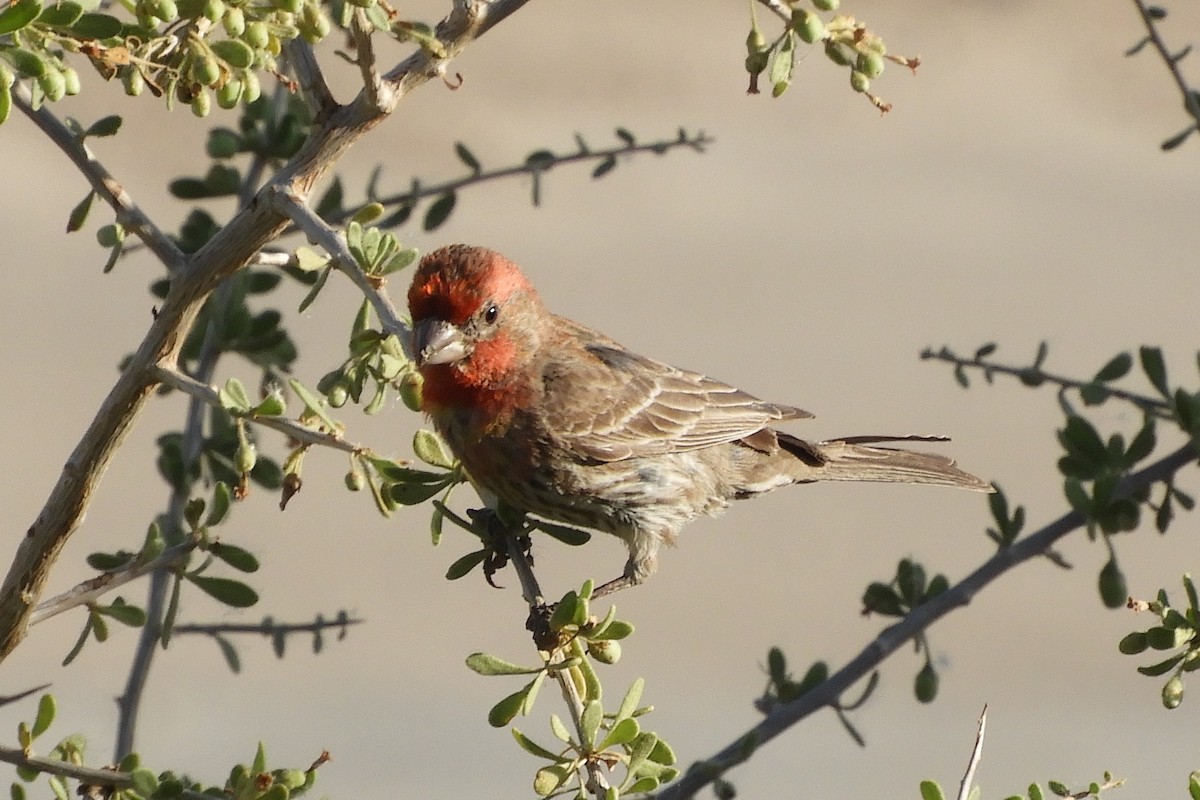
<point x="856" y="458"/>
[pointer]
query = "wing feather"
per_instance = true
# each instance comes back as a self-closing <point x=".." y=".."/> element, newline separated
<point x="615" y="405"/>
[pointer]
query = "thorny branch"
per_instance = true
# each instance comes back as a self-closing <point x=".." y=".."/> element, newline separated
<point x="1191" y="98"/>
<point x="917" y="621"/>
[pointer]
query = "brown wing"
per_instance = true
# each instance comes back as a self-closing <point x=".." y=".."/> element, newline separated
<point x="615" y="404"/>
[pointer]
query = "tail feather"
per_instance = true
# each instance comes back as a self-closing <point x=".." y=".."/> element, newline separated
<point x="855" y="459"/>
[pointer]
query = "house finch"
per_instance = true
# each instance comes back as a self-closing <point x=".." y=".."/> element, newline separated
<point x="560" y="421"/>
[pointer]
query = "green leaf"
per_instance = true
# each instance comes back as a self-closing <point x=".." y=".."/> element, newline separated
<point x="784" y="63"/>
<point x="439" y="211"/>
<point x="230" y="653"/>
<point x="430" y="448"/>
<point x="1115" y="369"/>
<point x="233" y="396"/>
<point x="629" y="703"/>
<point x="467" y="157"/>
<point x="5" y="104"/>
<point x="97" y="26"/>
<point x="604" y="167"/>
<point x="1162" y="667"/>
<point x="533" y="748"/>
<point x="487" y="664"/>
<point x="626" y="137"/>
<point x="397" y="473"/>
<point x="221" y="501"/>
<point x="123" y="613"/>
<point x="925" y="687"/>
<point x="617" y="629"/>
<point x="549" y="780"/>
<point x="1113" y="590"/>
<point x="312" y="403"/>
<point x="465" y="564"/>
<point x="1142" y="444"/>
<point x="18" y="15"/>
<point x="411" y="494"/>
<point x="58" y="787"/>
<point x="316" y="288"/>
<point x="1133" y="643"/>
<point x="45" y="715"/>
<point x="80" y="212"/>
<point x="589" y="723"/>
<point x="1155" y="369"/>
<point x="225" y="590"/>
<point x="622" y="732"/>
<point x="105" y="126"/>
<point x="930" y="790"/>
<point x="61" y="14"/>
<point x="234" y="556"/>
<point x="507" y="709"/>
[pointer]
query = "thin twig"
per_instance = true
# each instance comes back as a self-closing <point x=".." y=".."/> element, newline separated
<point x="293" y="430"/>
<point x="697" y="143"/>
<point x="92" y="589"/>
<point x="262" y="629"/>
<point x="1191" y="101"/>
<point x="964" y="788"/>
<point x="129" y="214"/>
<point x="373" y="85"/>
<point x="916" y="622"/>
<point x="1151" y="405"/>
<point x="88" y="776"/>
<point x="780" y="9"/>
<point x="333" y="242"/>
<point x="532" y="592"/>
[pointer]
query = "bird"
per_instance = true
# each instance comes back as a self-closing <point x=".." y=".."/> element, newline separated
<point x="561" y="422"/>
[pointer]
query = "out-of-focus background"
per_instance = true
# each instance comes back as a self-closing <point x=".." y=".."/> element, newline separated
<point x="1015" y="193"/>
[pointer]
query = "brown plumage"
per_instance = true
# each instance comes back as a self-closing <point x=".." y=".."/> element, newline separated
<point x="562" y="422"/>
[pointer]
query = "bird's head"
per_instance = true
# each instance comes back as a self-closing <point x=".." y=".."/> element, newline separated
<point x="476" y="319"/>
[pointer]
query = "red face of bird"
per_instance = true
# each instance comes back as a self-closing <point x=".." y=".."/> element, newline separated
<point x="466" y="305"/>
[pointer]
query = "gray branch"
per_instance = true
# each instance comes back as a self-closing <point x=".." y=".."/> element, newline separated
<point x="917" y="621"/>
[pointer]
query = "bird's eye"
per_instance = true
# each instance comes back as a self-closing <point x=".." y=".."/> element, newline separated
<point x="490" y="315"/>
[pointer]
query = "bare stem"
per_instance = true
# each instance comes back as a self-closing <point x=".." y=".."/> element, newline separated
<point x="917" y="621"/>
<point x="290" y="428"/>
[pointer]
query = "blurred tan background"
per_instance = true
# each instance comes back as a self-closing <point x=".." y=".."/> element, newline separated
<point x="1016" y="193"/>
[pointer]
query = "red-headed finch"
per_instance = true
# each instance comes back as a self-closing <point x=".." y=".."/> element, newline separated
<point x="562" y="422"/>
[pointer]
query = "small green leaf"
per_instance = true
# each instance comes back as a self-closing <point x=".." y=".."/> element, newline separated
<point x="411" y="494"/>
<point x="222" y="500"/>
<point x="105" y="126"/>
<point x="465" y="564"/>
<point x="18" y="15"/>
<point x="533" y="748"/>
<point x="549" y="780"/>
<point x="622" y="732"/>
<point x="617" y="629"/>
<point x="1162" y="667"/>
<point x="930" y="790"/>
<point x="45" y="715"/>
<point x="97" y="26"/>
<point x="467" y="157"/>
<point x="312" y="403"/>
<point x="80" y="212"/>
<point x="430" y="448"/>
<point x="233" y="396"/>
<point x="1115" y="369"/>
<point x="1133" y="643"/>
<point x="1113" y="590"/>
<point x="439" y="211"/>
<point x="123" y="613"/>
<point x="225" y="590"/>
<point x="236" y="557"/>
<point x="633" y="696"/>
<point x="507" y="709"/>
<point x="589" y="723"/>
<point x="61" y="14"/>
<point x="58" y="787"/>
<point x="487" y="664"/>
<point x="1155" y="369"/>
<point x="604" y="167"/>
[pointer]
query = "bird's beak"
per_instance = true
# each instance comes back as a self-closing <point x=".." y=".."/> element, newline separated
<point x="436" y="341"/>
